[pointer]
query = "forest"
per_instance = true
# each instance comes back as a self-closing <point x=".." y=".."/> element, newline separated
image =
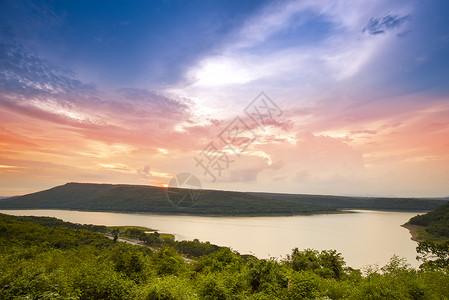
<point x="46" y="258"/>
<point x="435" y="222"/>
<point x="135" y="198"/>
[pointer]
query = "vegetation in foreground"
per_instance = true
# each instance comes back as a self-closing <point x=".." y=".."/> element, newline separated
<point x="431" y="226"/>
<point x="46" y="258"/>
<point x="132" y="198"/>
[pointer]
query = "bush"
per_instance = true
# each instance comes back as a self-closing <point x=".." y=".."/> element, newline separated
<point x="168" y="262"/>
<point x="210" y="288"/>
<point x="130" y="261"/>
<point x="302" y="285"/>
<point x="167" y="288"/>
<point x="327" y="263"/>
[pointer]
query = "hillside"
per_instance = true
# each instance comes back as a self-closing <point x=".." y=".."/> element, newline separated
<point x="133" y="198"/>
<point x="129" y="198"/>
<point x="435" y="224"/>
<point x="345" y="202"/>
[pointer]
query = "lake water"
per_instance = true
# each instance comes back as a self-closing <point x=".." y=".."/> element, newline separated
<point x="364" y="237"/>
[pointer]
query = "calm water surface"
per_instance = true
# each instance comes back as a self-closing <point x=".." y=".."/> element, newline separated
<point x="364" y="237"/>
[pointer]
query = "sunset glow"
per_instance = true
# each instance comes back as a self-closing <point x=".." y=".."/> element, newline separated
<point x="132" y="94"/>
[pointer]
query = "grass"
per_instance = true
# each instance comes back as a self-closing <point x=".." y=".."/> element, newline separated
<point x="122" y="231"/>
<point x="167" y="236"/>
<point x="124" y="228"/>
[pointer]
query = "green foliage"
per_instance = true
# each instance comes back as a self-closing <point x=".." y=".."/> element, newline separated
<point x="135" y="233"/>
<point x="75" y="273"/>
<point x="396" y="265"/>
<point x="267" y="276"/>
<point x="152" y="239"/>
<point x="129" y="261"/>
<point x="45" y="259"/>
<point x="303" y="285"/>
<point x="168" y="262"/>
<point x="25" y="231"/>
<point x="434" y="255"/>
<point x="436" y="222"/>
<point x="167" y="288"/>
<point x="108" y="197"/>
<point x="224" y="259"/>
<point x="345" y="202"/>
<point x="196" y="248"/>
<point x="327" y="263"/>
<point x="96" y="280"/>
<point x="211" y="288"/>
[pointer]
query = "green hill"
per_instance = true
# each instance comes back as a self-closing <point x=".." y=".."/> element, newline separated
<point x="130" y="198"/>
<point x="435" y="223"/>
<point x="375" y="203"/>
<point x="346" y="202"/>
<point x="135" y="198"/>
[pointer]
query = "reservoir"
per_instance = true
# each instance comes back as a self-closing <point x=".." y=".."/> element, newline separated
<point x="364" y="237"/>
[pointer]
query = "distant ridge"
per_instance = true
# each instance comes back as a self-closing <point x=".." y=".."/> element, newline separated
<point x="139" y="198"/>
<point x="441" y="198"/>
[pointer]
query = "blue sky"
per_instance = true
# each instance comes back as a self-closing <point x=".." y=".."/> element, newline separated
<point x="155" y="42"/>
<point x="130" y="92"/>
<point x="124" y="42"/>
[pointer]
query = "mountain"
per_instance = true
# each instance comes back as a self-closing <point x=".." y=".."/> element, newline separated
<point x="434" y="223"/>
<point x="132" y="198"/>
<point x="135" y="198"/>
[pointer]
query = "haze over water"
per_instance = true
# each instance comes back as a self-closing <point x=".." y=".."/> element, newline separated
<point x="366" y="237"/>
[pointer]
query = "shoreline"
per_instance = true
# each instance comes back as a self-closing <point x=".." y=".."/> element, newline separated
<point x="324" y="212"/>
<point x="419" y="234"/>
<point x="189" y="214"/>
<point x="413" y="230"/>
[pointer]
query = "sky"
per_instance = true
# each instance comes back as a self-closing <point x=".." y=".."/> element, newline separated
<point x="314" y="97"/>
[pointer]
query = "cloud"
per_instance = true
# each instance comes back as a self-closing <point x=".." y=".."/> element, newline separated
<point x="33" y="87"/>
<point x="385" y="23"/>
<point x="29" y="83"/>
<point x="243" y="169"/>
<point x="300" y="47"/>
<point x="154" y="104"/>
<point x="116" y="167"/>
<point x="367" y="132"/>
<point x="145" y="171"/>
<point x="24" y="74"/>
<point x="316" y="59"/>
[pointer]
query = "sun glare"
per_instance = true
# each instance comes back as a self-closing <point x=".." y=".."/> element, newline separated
<point x="217" y="72"/>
